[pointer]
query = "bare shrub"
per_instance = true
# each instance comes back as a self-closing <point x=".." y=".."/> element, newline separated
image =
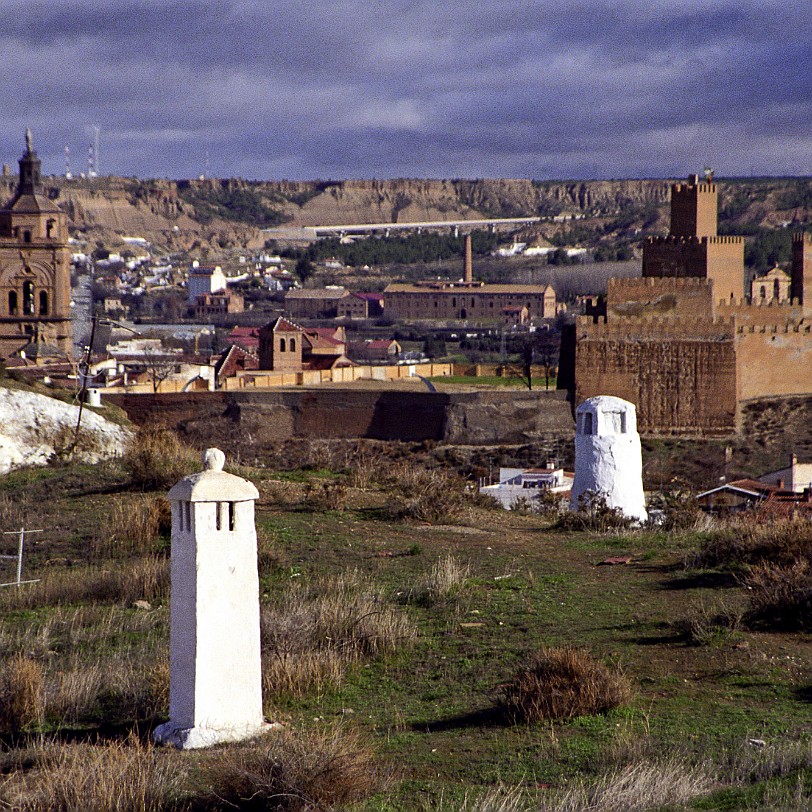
<point x="296" y="673"/>
<point x="750" y="539"/>
<point x="780" y="596"/>
<point x="745" y="763"/>
<point x="22" y="695"/>
<point x="445" y="579"/>
<point x="426" y="494"/>
<point x="157" y="459"/>
<point x="560" y="683"/>
<point x="124" y="776"/>
<point x="342" y="615"/>
<point x="328" y="494"/>
<point x="295" y="770"/>
<point x="135" y="525"/>
<point x="594" y="515"/>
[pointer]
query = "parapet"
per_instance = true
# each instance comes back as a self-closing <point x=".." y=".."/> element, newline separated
<point x="802" y="238"/>
<point x="655" y="328"/>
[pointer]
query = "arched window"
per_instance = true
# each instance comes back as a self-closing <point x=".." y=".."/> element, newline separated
<point x="28" y="298"/>
<point x="49" y="228"/>
<point x="27" y="236"/>
<point x="763" y="291"/>
<point x="283" y="347"/>
<point x="12" y="303"/>
<point x="293" y="345"/>
<point x="776" y="290"/>
<point x="43" y="303"/>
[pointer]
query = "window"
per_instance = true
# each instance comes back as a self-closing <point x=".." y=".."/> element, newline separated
<point x="28" y="298"/>
<point x="586" y="423"/>
<point x="282" y="345"/>
<point x="27" y="235"/>
<point x="49" y="228"/>
<point x="776" y="289"/>
<point x="43" y="303"/>
<point x="12" y="303"/>
<point x="293" y="345"/>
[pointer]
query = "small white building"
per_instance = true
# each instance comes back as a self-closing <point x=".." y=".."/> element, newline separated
<point x="795" y="477"/>
<point x="608" y="456"/>
<point x="215" y="686"/>
<point x="519" y="484"/>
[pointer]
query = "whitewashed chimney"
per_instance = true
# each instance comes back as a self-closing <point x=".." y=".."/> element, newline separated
<point x="608" y="457"/>
<point x="215" y="692"/>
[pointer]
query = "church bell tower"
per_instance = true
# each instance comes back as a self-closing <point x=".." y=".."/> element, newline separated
<point x="34" y="267"/>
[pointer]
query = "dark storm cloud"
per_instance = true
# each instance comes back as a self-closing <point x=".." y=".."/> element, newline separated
<point x="347" y="88"/>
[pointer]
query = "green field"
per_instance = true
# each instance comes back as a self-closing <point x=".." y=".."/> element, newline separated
<point x="424" y="698"/>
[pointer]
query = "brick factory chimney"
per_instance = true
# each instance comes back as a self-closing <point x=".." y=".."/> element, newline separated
<point x="469" y="262"/>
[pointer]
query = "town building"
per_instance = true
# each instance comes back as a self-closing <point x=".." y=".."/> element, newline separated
<point x="518" y="486"/>
<point x="315" y="303"/>
<point x="34" y="266"/>
<point x="218" y="305"/>
<point x="468" y="299"/>
<point x="285" y="346"/>
<point x="682" y="342"/>
<point x="204" y="280"/>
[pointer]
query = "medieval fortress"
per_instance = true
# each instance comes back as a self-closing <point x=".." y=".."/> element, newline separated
<point x="682" y="342"/>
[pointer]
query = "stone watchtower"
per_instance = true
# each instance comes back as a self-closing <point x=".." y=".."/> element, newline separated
<point x="34" y="266"/>
<point x="215" y="692"/>
<point x="608" y="457"/>
<point x="693" y="247"/>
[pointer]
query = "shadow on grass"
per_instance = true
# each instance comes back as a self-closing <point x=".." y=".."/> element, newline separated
<point x="486" y="717"/>
<point x="804" y="693"/>
<point x="701" y="580"/>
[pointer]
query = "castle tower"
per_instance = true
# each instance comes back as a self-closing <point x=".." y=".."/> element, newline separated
<point x="801" y="284"/>
<point x="693" y="209"/>
<point x="215" y="688"/>
<point x="693" y="247"/>
<point x="34" y="265"/>
<point x="608" y="457"/>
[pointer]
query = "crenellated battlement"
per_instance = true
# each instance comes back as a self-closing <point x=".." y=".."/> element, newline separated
<point x="656" y="328"/>
<point x="775" y="329"/>
<point x="648" y="284"/>
<point x="725" y="240"/>
<point x="802" y="238"/>
<point x="701" y="188"/>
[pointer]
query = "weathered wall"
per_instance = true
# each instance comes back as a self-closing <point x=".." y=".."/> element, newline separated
<point x="648" y="296"/>
<point x="774" y="362"/>
<point x="266" y="417"/>
<point x="681" y="377"/>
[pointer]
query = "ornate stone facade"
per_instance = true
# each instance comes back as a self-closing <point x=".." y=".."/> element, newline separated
<point x="34" y="267"/>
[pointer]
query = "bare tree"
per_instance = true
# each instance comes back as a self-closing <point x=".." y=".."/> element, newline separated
<point x="160" y="365"/>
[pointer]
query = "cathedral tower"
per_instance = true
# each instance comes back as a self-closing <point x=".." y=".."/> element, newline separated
<point x="34" y="266"/>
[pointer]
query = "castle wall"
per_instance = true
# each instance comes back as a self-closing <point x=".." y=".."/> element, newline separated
<point x="761" y="314"/>
<point x="774" y="362"/>
<point x="693" y="209"/>
<point x="681" y="375"/>
<point x="675" y="257"/>
<point x="686" y="298"/>
<point x="801" y="284"/>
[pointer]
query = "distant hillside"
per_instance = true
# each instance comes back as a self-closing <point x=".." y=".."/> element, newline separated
<point x="183" y="215"/>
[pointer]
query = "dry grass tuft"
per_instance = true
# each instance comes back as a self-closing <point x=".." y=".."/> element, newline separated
<point x="140" y="579"/>
<point x="124" y="776"/>
<point x="708" y="623"/>
<point x="595" y="516"/>
<point x="157" y="459"/>
<point x="22" y="694"/>
<point x="136" y="522"/>
<point x="312" y="632"/>
<point x="446" y="578"/>
<point x="294" y="770"/>
<point x="560" y="683"/>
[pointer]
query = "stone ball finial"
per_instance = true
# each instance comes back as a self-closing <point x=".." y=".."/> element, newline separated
<point x="213" y="459"/>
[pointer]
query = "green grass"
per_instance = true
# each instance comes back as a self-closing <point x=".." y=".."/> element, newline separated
<point x="428" y="706"/>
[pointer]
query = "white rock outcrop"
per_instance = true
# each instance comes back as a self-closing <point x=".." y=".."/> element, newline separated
<point x="34" y="427"/>
<point x="608" y="457"/>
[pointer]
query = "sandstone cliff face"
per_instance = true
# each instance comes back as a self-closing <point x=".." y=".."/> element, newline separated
<point x="185" y="214"/>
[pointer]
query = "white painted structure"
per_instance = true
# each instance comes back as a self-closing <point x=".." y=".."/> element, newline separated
<point x="608" y="458"/>
<point x="796" y="477"/>
<point x="215" y="690"/>
<point x="204" y="280"/>
<point x="521" y="484"/>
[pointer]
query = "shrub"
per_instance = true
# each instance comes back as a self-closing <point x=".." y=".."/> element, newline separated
<point x="780" y="597"/>
<point x="22" y="694"/>
<point x="426" y="494"/>
<point x="134" y="527"/>
<point x="560" y="683"/>
<point x="157" y="459"/>
<point x="293" y="770"/>
<point x="707" y="624"/>
<point x="750" y="539"/>
<point x="594" y="515"/>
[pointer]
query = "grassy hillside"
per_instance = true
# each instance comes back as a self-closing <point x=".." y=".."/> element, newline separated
<point x="396" y="611"/>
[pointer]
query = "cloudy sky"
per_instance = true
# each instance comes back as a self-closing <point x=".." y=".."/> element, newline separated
<point x="378" y="88"/>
